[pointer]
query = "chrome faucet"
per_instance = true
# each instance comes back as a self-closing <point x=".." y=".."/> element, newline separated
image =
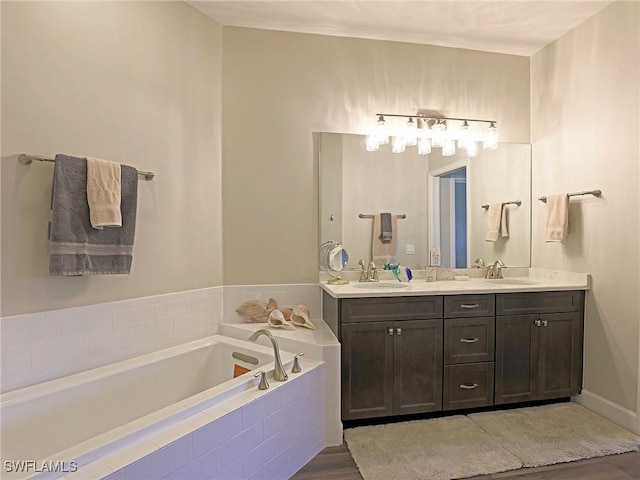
<point x="478" y="263"/>
<point x="495" y="270"/>
<point x="279" y="375"/>
<point x="372" y="272"/>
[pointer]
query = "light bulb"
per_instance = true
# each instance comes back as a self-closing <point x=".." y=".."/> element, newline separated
<point x="437" y="134"/>
<point x="372" y="143"/>
<point x="471" y="148"/>
<point x="424" y="146"/>
<point x="449" y="147"/>
<point x="464" y="135"/>
<point x="491" y="138"/>
<point x="410" y="133"/>
<point x="381" y="131"/>
<point x="398" y="144"/>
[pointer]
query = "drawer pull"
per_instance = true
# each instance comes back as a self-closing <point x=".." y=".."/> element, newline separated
<point x="538" y="323"/>
<point x="469" y="305"/>
<point x="390" y="330"/>
<point x="399" y="331"/>
<point x="468" y="386"/>
<point x="469" y="340"/>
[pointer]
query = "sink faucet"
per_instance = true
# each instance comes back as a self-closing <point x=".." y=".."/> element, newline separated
<point x="478" y="263"/>
<point x="372" y="272"/>
<point x="363" y="273"/>
<point x="279" y="375"/>
<point x="495" y="270"/>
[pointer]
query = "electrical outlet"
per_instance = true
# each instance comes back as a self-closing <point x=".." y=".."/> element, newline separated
<point x="410" y="249"/>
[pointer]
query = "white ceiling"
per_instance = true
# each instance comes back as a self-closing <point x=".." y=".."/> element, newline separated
<point x="518" y="27"/>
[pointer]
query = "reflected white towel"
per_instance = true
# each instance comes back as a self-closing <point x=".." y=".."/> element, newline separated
<point x="104" y="193"/>
<point x="557" y="218"/>
<point x="504" y="230"/>
<point x="382" y="253"/>
<point x="494" y="222"/>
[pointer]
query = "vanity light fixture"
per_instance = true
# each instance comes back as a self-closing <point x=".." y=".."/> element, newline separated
<point x="443" y="132"/>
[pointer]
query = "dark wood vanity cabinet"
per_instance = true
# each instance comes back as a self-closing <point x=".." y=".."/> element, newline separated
<point x="391" y="356"/>
<point x="405" y="355"/>
<point x="539" y="339"/>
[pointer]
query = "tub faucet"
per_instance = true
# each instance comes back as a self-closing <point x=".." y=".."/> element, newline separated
<point x="279" y="375"/>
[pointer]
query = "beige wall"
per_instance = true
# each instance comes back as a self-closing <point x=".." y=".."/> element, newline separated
<point x="279" y="88"/>
<point x="585" y="122"/>
<point x="135" y="82"/>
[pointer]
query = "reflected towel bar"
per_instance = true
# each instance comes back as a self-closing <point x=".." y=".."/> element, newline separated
<point x="364" y="215"/>
<point x="595" y="193"/>
<point x="25" y="159"/>
<point x="512" y="202"/>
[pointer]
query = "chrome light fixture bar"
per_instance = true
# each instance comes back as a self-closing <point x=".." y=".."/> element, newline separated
<point x="437" y="135"/>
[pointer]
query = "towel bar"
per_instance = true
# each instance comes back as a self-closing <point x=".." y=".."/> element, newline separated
<point x="595" y="193"/>
<point x="364" y="215"/>
<point x="512" y="202"/>
<point x="25" y="159"/>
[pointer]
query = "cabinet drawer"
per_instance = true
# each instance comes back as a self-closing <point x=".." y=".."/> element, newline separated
<point x="385" y="309"/>
<point x="468" y="386"/>
<point x="469" y="306"/>
<point x="539" y="302"/>
<point x="469" y="340"/>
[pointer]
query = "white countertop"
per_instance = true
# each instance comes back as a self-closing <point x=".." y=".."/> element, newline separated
<point x="536" y="280"/>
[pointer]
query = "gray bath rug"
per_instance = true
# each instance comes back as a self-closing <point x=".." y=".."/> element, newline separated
<point x="555" y="433"/>
<point x="437" y="449"/>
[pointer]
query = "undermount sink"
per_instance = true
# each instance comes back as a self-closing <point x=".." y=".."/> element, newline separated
<point x="511" y="281"/>
<point x="392" y="285"/>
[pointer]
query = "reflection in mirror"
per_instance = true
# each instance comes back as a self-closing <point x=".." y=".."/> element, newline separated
<point x="354" y="181"/>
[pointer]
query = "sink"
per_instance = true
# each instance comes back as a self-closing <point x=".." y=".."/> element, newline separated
<point x="511" y="281"/>
<point x="391" y="285"/>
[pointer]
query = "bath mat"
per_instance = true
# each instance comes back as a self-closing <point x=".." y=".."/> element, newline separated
<point x="555" y="433"/>
<point x="436" y="449"/>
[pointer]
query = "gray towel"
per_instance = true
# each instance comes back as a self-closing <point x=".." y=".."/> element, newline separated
<point x="75" y="248"/>
<point x="386" y="235"/>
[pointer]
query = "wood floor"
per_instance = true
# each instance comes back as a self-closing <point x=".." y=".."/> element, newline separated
<point x="336" y="463"/>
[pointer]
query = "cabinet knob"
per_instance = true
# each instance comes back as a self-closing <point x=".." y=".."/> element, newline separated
<point x="538" y="323"/>
<point x="390" y="330"/>
<point x="469" y="340"/>
<point x="399" y="331"/>
<point x="468" y="386"/>
<point x="469" y="305"/>
<point x="544" y="323"/>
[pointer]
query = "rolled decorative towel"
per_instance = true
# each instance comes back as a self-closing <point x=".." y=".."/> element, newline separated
<point x="104" y="193"/>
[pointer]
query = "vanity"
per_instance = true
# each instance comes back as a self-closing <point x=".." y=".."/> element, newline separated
<point x="454" y="345"/>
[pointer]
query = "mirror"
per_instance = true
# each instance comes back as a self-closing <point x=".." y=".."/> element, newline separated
<point x="441" y="199"/>
<point x="333" y="258"/>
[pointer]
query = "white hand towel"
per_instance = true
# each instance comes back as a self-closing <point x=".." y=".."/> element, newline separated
<point x="504" y="230"/>
<point x="382" y="253"/>
<point x="104" y="193"/>
<point x="557" y="218"/>
<point x="495" y="218"/>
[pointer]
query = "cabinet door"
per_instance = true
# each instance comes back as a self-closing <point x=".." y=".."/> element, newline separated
<point x="560" y="355"/>
<point x="417" y="366"/>
<point x="367" y="370"/>
<point x="516" y="363"/>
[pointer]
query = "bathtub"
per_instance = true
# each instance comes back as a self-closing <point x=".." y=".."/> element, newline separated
<point x="67" y="423"/>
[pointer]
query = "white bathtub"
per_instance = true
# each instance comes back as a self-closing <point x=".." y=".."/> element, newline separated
<point x="77" y="419"/>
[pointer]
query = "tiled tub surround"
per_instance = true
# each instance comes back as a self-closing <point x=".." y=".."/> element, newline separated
<point x="160" y="415"/>
<point x="37" y="347"/>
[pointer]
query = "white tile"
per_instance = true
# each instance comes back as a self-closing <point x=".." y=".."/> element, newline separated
<point x="119" y="475"/>
<point x="98" y="469"/>
<point x="154" y="331"/>
<point x="86" y="363"/>
<point x="13" y="382"/>
<point x="255" y="411"/>
<point x="129" y="454"/>
<point x="58" y="352"/>
<point x="196" y="322"/>
<point x="134" y="351"/>
<point x="179" y="339"/>
<point x="278" y="420"/>
<point x="234" y="471"/>
<point x="133" y="316"/>
<point x="162" y="462"/>
<point x="241" y="444"/>
<point x="201" y="468"/>
<point x="122" y="304"/>
<point x="14" y="361"/>
<point x="274" y="466"/>
<point x="209" y="303"/>
<point x="261" y="455"/>
<point x="212" y="435"/>
<point x="170" y="434"/>
<point x="107" y="342"/>
<point x="33" y="330"/>
<point x="172" y="310"/>
<point x="90" y="320"/>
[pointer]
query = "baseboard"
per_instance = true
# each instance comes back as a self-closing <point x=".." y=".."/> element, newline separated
<point x="609" y="410"/>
